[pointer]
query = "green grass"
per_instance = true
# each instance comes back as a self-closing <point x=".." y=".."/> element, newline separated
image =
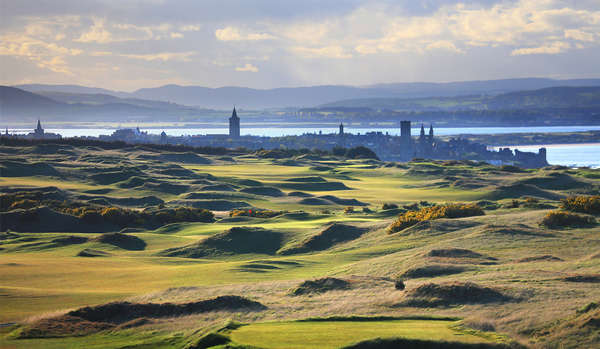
<point x="335" y="334"/>
<point x="41" y="279"/>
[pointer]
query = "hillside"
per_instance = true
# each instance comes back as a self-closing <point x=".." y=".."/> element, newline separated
<point x="547" y="98"/>
<point x="19" y="105"/>
<point x="310" y="96"/>
<point x="113" y="244"/>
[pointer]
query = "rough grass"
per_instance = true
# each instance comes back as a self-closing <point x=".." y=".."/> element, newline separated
<point x="36" y="281"/>
<point x="320" y="286"/>
<point x="93" y="319"/>
<point x="238" y="240"/>
<point x="453" y="293"/>
<point x="124" y="241"/>
<point x="333" y="234"/>
<point x="430" y="271"/>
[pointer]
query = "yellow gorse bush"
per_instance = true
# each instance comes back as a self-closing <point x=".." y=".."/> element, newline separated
<point x="557" y="219"/>
<point x="413" y="217"/>
<point x="585" y="204"/>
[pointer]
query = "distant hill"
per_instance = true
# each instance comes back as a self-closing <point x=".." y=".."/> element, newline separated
<point x="225" y="97"/>
<point x="100" y="99"/>
<point x="14" y="99"/>
<point x="17" y="105"/>
<point x="483" y="87"/>
<point x="35" y="88"/>
<point x="553" y="97"/>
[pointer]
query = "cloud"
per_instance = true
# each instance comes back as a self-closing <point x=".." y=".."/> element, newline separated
<point x="100" y="53"/>
<point x="553" y="48"/>
<point x="96" y="33"/>
<point x="234" y="34"/>
<point x="443" y="45"/>
<point x="162" y="56"/>
<point x="190" y="28"/>
<point x="248" y="67"/>
<point x="47" y="55"/>
<point x="328" y="52"/>
<point x="103" y="33"/>
<point x="579" y="35"/>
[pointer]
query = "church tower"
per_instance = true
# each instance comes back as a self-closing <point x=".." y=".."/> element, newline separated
<point x="39" y="131"/>
<point x="341" y="129"/>
<point x="234" y="124"/>
<point x="430" y="133"/>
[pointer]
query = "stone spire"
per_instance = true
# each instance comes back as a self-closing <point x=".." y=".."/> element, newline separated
<point x="234" y="124"/>
<point x="431" y="132"/>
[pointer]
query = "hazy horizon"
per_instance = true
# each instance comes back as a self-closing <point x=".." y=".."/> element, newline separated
<point x="269" y="44"/>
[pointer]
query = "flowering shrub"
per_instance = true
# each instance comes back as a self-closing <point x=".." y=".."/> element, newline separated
<point x="584" y="204"/>
<point x="254" y="213"/>
<point x="410" y="218"/>
<point x="558" y="219"/>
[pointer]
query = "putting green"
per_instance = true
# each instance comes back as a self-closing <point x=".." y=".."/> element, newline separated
<point x="336" y="334"/>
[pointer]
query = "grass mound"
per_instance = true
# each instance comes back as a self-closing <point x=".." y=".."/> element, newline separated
<point x="110" y="177"/>
<point x="264" y="191"/>
<point x="24" y="169"/>
<point x="218" y="187"/>
<point x="64" y="326"/>
<point x="93" y="319"/>
<point x="315" y="202"/>
<point x="88" y="252"/>
<point x="430" y="271"/>
<point x="248" y="182"/>
<point x="454" y="253"/>
<point x="237" y="240"/>
<point x="129" y="201"/>
<point x="186" y="158"/>
<point x="445" y="294"/>
<point x="124" y="241"/>
<point x="310" y="179"/>
<point x="320" y="286"/>
<point x="213" y="205"/>
<point x="340" y="201"/>
<point x="69" y="240"/>
<point x="514" y="229"/>
<point x="576" y="331"/>
<point x="210" y="340"/>
<point x="168" y="188"/>
<point x="313" y="186"/>
<point x="556" y="181"/>
<point x="334" y="234"/>
<point x="263" y="266"/>
<point x="120" y="312"/>
<point x="591" y="278"/>
<point x="300" y="194"/>
<point x="544" y="258"/>
<point x="405" y="343"/>
<point x="518" y="190"/>
<point x="44" y="219"/>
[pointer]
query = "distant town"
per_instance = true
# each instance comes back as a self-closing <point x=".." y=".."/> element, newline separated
<point x="387" y="147"/>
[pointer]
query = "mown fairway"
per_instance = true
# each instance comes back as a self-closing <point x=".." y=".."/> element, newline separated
<point x="295" y="335"/>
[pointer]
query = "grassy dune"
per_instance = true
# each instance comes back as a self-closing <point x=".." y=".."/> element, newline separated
<point x="544" y="275"/>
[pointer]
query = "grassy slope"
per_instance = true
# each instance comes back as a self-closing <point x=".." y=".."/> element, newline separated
<point x="57" y="280"/>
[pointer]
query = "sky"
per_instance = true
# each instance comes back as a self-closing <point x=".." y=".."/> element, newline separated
<point x="130" y="44"/>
